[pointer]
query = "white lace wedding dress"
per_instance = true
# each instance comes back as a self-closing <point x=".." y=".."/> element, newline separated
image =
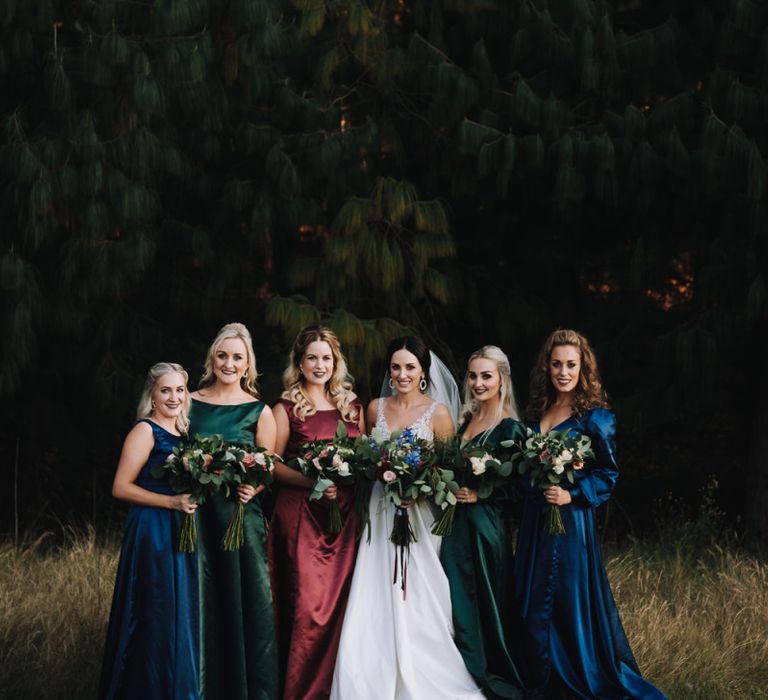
<point x="394" y="648"/>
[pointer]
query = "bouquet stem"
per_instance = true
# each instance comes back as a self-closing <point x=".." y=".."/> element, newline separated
<point x="188" y="534"/>
<point x="402" y="532"/>
<point x="233" y="535"/>
<point x="402" y="536"/>
<point x="334" y="513"/>
<point x="444" y="526"/>
<point x="554" y="523"/>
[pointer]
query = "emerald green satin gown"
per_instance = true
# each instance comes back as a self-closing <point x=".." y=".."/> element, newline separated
<point x="477" y="558"/>
<point x="238" y="649"/>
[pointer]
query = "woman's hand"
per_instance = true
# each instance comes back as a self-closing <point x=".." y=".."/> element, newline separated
<point x="466" y="495"/>
<point x="557" y="496"/>
<point x="331" y="492"/>
<point x="246" y="492"/>
<point x="183" y="503"/>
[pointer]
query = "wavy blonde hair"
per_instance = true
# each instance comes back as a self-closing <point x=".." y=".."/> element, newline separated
<point x="507" y="404"/>
<point x="145" y="410"/>
<point x="589" y="392"/>
<point x="248" y="380"/>
<point x="338" y="388"/>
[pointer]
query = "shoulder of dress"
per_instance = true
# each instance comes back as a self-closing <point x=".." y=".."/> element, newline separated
<point x="602" y="420"/>
<point x="511" y="426"/>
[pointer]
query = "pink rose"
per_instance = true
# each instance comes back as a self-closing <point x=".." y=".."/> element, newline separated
<point x="207" y="459"/>
<point x="544" y="456"/>
<point x="389" y="476"/>
<point x="249" y="459"/>
<point x="578" y="464"/>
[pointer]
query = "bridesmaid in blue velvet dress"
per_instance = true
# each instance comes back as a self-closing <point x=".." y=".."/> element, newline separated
<point x="576" y="641"/>
<point x="151" y="652"/>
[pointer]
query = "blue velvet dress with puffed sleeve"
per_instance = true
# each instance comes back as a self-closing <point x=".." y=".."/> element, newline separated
<point x="575" y="639"/>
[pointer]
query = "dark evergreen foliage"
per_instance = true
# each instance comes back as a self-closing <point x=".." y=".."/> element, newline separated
<point x="476" y="171"/>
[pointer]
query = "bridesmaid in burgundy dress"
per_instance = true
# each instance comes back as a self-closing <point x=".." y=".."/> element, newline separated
<point x="311" y="568"/>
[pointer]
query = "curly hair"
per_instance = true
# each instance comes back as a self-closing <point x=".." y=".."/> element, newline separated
<point x="156" y="371"/>
<point x="338" y="388"/>
<point x="507" y="403"/>
<point x="248" y="380"/>
<point x="589" y="392"/>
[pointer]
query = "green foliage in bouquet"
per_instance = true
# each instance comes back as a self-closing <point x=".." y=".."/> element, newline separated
<point x="328" y="463"/>
<point x="549" y="458"/>
<point x="459" y="464"/>
<point x="207" y="464"/>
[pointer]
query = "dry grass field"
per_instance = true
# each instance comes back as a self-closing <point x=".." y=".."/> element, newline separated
<point x="696" y="613"/>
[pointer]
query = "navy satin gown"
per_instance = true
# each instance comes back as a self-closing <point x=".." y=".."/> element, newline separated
<point x="151" y="652"/>
<point x="575" y="639"/>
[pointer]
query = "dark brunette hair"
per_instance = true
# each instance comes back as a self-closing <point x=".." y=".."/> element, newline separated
<point x="416" y="346"/>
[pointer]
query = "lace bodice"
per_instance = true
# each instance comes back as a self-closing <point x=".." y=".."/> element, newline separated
<point x="421" y="427"/>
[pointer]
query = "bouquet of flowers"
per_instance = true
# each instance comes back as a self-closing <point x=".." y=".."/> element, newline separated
<point x="549" y="459"/>
<point x="202" y="466"/>
<point x="455" y="462"/>
<point x="328" y="463"/>
<point x="245" y="464"/>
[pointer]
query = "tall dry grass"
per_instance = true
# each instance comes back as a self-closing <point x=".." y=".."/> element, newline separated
<point x="696" y="614"/>
<point x="54" y="606"/>
<point x="697" y="619"/>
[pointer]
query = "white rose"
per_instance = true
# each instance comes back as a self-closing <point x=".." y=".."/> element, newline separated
<point x="558" y="468"/>
<point x="566" y="456"/>
<point x="343" y="469"/>
<point x="478" y="465"/>
<point x="316" y="462"/>
<point x="261" y="460"/>
<point x="337" y="461"/>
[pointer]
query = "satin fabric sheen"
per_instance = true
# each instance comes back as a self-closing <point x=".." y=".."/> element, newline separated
<point x="575" y="637"/>
<point x="151" y="651"/>
<point x="311" y="568"/>
<point x="477" y="558"/>
<point x="238" y="650"/>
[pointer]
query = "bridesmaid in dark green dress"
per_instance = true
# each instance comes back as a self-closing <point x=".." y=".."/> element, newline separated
<point x="477" y="555"/>
<point x="238" y="652"/>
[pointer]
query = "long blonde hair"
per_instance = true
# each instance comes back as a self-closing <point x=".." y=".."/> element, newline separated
<point x="589" y="392"/>
<point x="338" y="388"/>
<point x="145" y="410"/>
<point x="507" y="404"/>
<point x="248" y="380"/>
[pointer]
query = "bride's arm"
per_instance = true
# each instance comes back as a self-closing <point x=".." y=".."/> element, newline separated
<point x="370" y="415"/>
<point x="442" y="423"/>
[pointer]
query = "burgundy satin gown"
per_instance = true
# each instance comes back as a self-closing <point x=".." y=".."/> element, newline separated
<point x="311" y="569"/>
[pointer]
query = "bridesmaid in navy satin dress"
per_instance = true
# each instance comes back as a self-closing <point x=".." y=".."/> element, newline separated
<point x="576" y="640"/>
<point x="151" y="652"/>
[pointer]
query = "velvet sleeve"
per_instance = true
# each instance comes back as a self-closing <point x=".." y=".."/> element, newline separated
<point x="596" y="481"/>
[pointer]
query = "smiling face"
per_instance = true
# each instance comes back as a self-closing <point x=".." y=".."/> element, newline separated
<point x="564" y="368"/>
<point x="405" y="371"/>
<point x="169" y="395"/>
<point x="317" y="363"/>
<point x="230" y="361"/>
<point x="483" y="379"/>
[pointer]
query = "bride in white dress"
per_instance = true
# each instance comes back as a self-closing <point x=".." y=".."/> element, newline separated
<point x="395" y="646"/>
